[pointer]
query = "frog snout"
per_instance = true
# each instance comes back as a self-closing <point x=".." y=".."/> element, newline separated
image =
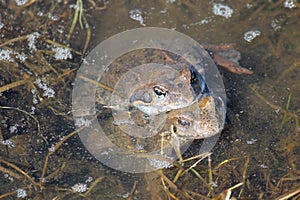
<point x="140" y="96"/>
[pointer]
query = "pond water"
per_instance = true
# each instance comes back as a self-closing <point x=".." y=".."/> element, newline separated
<point x="41" y="154"/>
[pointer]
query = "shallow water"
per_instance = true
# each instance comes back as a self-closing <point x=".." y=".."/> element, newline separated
<point x="259" y="145"/>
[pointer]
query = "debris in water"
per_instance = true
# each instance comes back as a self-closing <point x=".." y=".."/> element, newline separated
<point x="251" y="141"/>
<point x="62" y="53"/>
<point x="52" y="148"/>
<point x="8" y="143"/>
<point x="21" y="193"/>
<point x="21" y="2"/>
<point x="80" y="187"/>
<point x="170" y="1"/>
<point x="1" y="25"/>
<point x="21" y="56"/>
<point x="48" y="92"/>
<point x="82" y="122"/>
<point x="31" y="40"/>
<point x="5" y="55"/>
<point x="139" y="147"/>
<point x="34" y="96"/>
<point x="159" y="164"/>
<point x="289" y="4"/>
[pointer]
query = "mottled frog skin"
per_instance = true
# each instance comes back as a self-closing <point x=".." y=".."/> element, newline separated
<point x="169" y="91"/>
<point x="201" y="120"/>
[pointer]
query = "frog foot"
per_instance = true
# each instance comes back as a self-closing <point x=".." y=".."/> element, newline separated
<point x="227" y="57"/>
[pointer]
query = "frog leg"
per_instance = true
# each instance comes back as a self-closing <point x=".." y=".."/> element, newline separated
<point x="227" y="56"/>
<point x="230" y="66"/>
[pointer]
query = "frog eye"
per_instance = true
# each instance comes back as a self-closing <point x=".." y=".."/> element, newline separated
<point x="183" y="122"/>
<point x="159" y="91"/>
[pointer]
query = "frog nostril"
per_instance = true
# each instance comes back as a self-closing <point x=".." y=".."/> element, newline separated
<point x="180" y="85"/>
<point x="174" y="129"/>
<point x="140" y="97"/>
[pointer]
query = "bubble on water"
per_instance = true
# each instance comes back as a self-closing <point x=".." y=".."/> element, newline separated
<point x="21" y="2"/>
<point x="62" y="53"/>
<point x="289" y="4"/>
<point x="136" y="15"/>
<point x="222" y="10"/>
<point x="5" y="55"/>
<point x="250" y="35"/>
<point x="21" y="193"/>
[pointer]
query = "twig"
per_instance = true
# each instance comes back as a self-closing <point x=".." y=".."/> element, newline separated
<point x="20" y="171"/>
<point x="14" y="40"/>
<point x="11" y="173"/>
<point x="30" y="115"/>
<point x="290" y="195"/>
<point x="56" y="147"/>
<point x="93" y="185"/>
<point x="14" y="84"/>
<point x="130" y="197"/>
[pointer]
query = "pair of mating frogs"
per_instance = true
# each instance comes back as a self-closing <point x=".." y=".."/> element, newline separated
<point x="179" y="91"/>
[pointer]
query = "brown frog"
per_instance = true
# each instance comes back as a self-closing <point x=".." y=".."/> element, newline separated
<point x="168" y="91"/>
<point x="155" y="98"/>
<point x="153" y="88"/>
<point x="203" y="119"/>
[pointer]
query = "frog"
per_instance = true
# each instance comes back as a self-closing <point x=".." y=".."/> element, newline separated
<point x="169" y="87"/>
<point x="168" y="92"/>
<point x="202" y="119"/>
<point x="154" y="99"/>
<point x="152" y="89"/>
